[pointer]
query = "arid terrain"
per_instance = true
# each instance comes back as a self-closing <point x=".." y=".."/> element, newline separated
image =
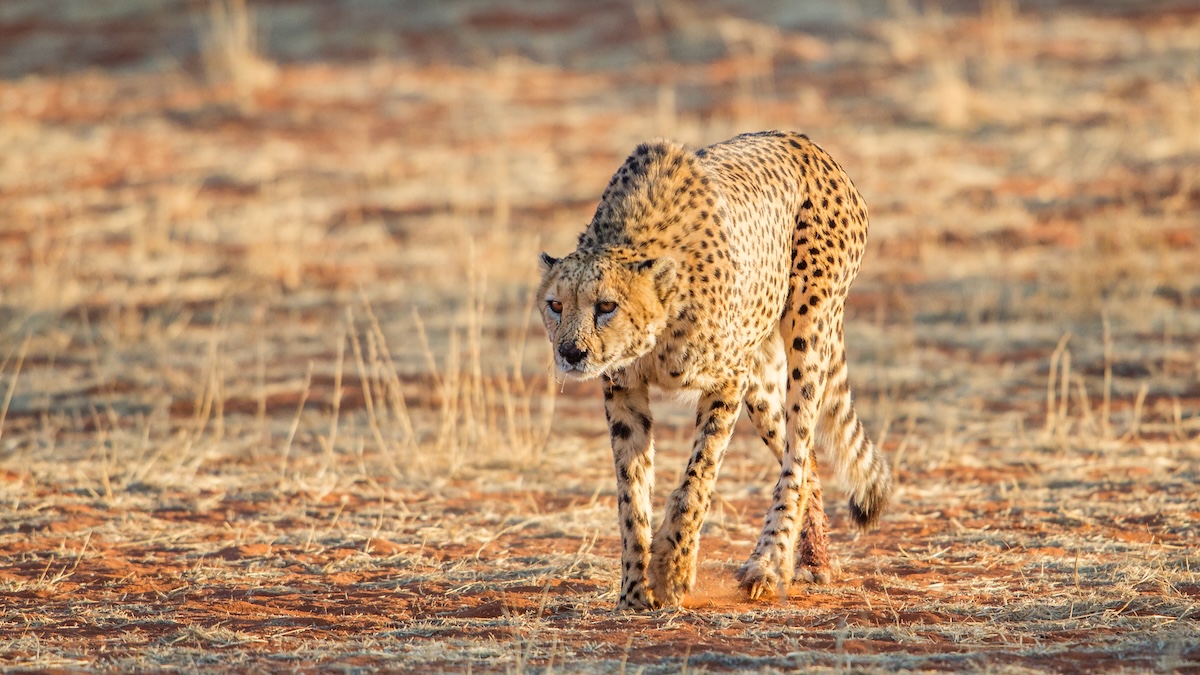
<point x="273" y="395"/>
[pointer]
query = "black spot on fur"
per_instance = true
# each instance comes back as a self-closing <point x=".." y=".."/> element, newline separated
<point x="621" y="430"/>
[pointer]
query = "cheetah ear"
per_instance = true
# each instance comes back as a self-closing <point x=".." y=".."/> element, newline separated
<point x="548" y="263"/>
<point x="662" y="272"/>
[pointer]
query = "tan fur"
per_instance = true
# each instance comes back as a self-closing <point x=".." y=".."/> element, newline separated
<point x="723" y="271"/>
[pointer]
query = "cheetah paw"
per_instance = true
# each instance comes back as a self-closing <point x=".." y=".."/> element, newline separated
<point x="669" y="589"/>
<point x="761" y="580"/>
<point x="818" y="576"/>
<point x="636" y="603"/>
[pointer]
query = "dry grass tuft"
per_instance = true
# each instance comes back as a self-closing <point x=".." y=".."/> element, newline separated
<point x="230" y="50"/>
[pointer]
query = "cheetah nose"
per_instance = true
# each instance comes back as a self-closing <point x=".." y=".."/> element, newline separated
<point x="572" y="354"/>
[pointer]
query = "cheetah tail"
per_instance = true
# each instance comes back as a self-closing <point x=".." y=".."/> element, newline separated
<point x="859" y="462"/>
<point x="869" y="498"/>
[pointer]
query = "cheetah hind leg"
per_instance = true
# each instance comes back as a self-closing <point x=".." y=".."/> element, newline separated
<point x="812" y="549"/>
<point x="764" y="403"/>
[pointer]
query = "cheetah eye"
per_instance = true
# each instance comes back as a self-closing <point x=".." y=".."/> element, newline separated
<point x="555" y="306"/>
<point x="606" y="307"/>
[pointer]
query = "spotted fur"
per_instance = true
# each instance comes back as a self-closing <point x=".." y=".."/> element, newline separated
<point x="722" y="270"/>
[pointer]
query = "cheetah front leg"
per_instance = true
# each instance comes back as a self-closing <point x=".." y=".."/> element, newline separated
<point x="676" y="543"/>
<point x="629" y="424"/>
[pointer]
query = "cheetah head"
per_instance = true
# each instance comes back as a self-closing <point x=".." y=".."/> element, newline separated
<point x="603" y="312"/>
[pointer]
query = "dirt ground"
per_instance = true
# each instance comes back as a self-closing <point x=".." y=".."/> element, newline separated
<point x="274" y="398"/>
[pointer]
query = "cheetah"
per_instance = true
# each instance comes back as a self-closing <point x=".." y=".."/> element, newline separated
<point x="724" y="271"/>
